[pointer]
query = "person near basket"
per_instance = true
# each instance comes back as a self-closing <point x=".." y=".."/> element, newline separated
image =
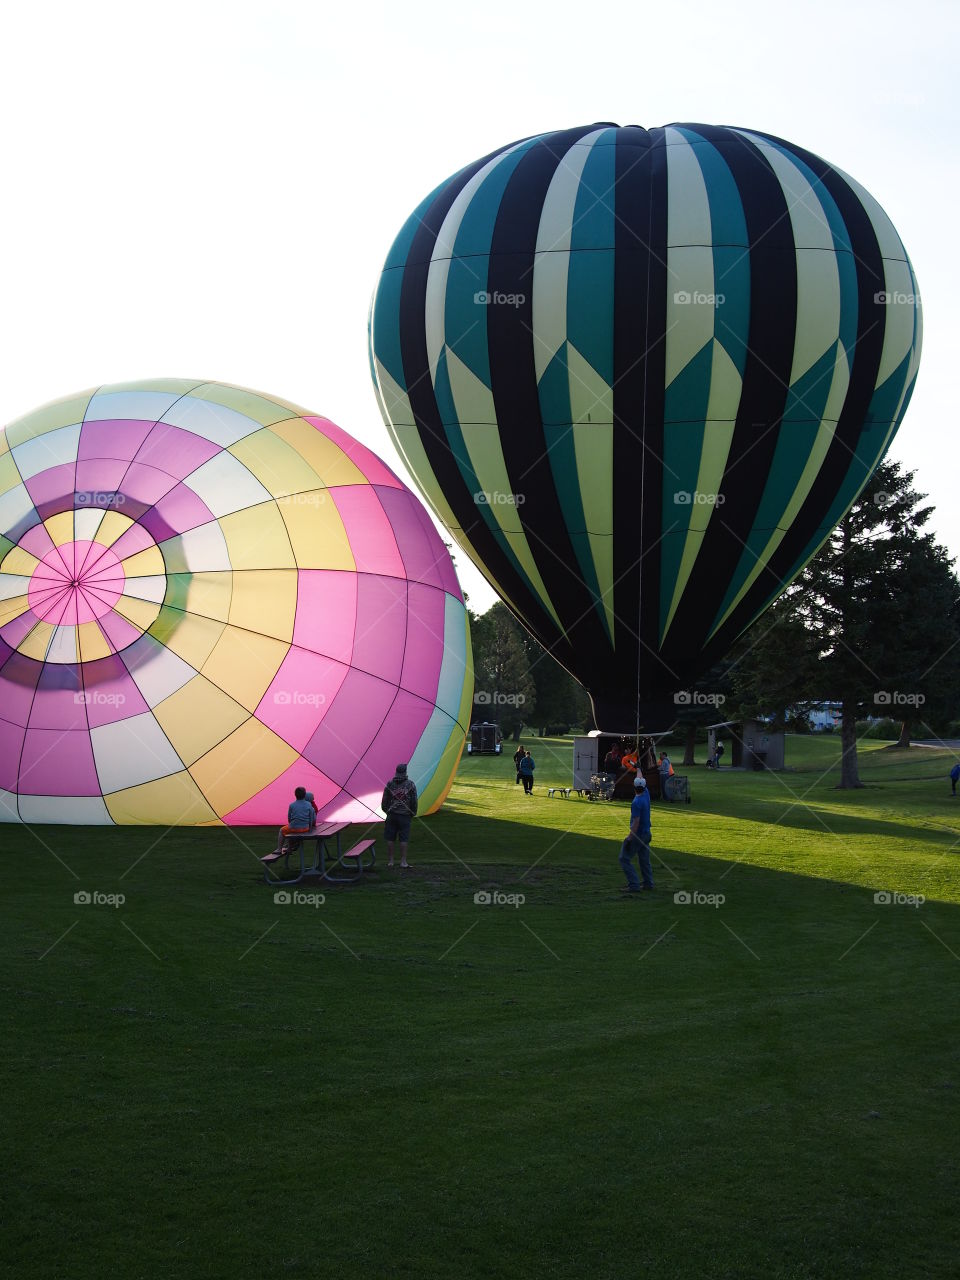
<point x="637" y="843"/>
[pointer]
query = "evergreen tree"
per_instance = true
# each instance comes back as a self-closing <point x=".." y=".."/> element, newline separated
<point x="871" y="622"/>
<point x="560" y="699"/>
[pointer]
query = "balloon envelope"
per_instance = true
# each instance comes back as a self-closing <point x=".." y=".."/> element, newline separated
<point x="640" y="375"/>
<point x="207" y="598"/>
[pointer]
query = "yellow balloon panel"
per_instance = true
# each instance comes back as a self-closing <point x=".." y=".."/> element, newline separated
<point x="247" y="760"/>
<point x="197" y="717"/>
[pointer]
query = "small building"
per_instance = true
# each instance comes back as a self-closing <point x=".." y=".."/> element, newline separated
<point x="824" y="716"/>
<point x="748" y="744"/>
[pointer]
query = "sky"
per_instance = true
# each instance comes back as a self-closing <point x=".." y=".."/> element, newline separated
<point x="209" y="190"/>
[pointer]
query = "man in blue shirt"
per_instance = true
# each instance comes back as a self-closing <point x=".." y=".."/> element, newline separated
<point x="637" y="842"/>
<point x="527" y="767"/>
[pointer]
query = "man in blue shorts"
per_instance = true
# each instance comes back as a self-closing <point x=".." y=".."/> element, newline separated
<point x="637" y="843"/>
<point x="399" y="803"/>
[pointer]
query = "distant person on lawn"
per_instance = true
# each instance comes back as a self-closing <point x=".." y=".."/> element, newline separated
<point x="954" y="778"/>
<point x="527" y="767"/>
<point x="637" y="843"/>
<point x="517" y="757"/>
<point x="399" y="802"/>
<point x="301" y="815"/>
<point x="666" y="773"/>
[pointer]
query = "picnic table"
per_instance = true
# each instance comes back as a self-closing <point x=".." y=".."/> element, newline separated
<point x="324" y="864"/>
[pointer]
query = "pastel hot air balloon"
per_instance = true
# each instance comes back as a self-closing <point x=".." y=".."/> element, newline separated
<point x="640" y="375"/>
<point x="207" y="598"/>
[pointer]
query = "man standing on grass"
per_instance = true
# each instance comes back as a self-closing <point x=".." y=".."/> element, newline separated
<point x="527" y="767"/>
<point x="637" y="843"/>
<point x="399" y="803"/>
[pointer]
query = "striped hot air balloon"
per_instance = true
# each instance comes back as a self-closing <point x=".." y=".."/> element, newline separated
<point x="640" y="375"/>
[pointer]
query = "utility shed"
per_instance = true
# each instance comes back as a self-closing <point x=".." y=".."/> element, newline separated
<point x="750" y="744"/>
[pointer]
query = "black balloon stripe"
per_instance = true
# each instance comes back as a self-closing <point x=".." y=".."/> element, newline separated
<point x="863" y="378"/>
<point x="639" y="302"/>
<point x="766" y="380"/>
<point x="513" y="369"/>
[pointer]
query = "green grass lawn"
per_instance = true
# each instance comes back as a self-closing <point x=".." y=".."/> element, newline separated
<point x="401" y="1082"/>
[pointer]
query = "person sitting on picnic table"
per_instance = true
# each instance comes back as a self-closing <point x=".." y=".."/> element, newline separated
<point x="301" y="816"/>
<point x="399" y="802"/>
